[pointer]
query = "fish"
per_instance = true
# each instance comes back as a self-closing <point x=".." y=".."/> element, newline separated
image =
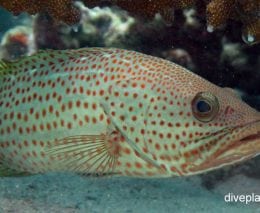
<point x="109" y="111"/>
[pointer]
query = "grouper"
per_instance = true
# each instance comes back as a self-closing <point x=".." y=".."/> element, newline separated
<point x="110" y="111"/>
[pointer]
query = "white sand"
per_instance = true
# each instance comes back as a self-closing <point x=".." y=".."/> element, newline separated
<point x="70" y="193"/>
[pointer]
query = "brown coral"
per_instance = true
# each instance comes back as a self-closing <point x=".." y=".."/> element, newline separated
<point x="146" y="8"/>
<point x="218" y="11"/>
<point x="62" y="10"/>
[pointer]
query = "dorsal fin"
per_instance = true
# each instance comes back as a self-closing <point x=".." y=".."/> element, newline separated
<point x="5" y="67"/>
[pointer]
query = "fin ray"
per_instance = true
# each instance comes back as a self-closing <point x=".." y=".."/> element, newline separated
<point x="83" y="154"/>
<point x="5" y="67"/>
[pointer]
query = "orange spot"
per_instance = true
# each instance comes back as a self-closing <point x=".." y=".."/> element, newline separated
<point x="173" y="169"/>
<point x="20" y="130"/>
<point x="43" y="154"/>
<point x="94" y="106"/>
<point x="183" y="144"/>
<point x="142" y="86"/>
<point x="70" y="104"/>
<point x="48" y="126"/>
<point x="101" y="117"/>
<point x="25" y="117"/>
<point x="34" y="142"/>
<point x="173" y="146"/>
<point x="51" y="109"/>
<point x="94" y="120"/>
<point x="194" y="152"/>
<point x="25" y="143"/>
<point x="157" y="146"/>
<point x="127" y="151"/>
<point x="85" y="105"/>
<point x="138" y="165"/>
<point x="78" y="103"/>
<point x="34" y="153"/>
<point x="134" y="118"/>
<point x="86" y="118"/>
<point x="145" y="150"/>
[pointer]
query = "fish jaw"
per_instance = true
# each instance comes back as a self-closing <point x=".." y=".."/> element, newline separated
<point x="244" y="144"/>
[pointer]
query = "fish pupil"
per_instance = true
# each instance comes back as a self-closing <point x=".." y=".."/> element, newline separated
<point x="203" y="106"/>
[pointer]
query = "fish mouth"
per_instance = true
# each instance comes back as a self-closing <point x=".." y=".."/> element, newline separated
<point x="243" y="144"/>
<point x="246" y="142"/>
<point x="251" y="137"/>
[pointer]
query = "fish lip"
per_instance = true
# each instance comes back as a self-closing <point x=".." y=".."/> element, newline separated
<point x="251" y="137"/>
<point x="246" y="142"/>
<point x="251" y="132"/>
<point x="241" y="148"/>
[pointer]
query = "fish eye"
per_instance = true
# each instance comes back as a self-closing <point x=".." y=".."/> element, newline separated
<point x="205" y="106"/>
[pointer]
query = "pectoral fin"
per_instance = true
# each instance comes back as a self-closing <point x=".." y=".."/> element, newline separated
<point x="5" y="171"/>
<point x="86" y="154"/>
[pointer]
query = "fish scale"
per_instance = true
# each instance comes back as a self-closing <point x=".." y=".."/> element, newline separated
<point x="98" y="110"/>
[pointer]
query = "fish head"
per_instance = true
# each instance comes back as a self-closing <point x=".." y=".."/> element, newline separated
<point x="232" y="128"/>
<point x="202" y="127"/>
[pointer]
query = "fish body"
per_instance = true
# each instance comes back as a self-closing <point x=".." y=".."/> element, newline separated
<point x="113" y="111"/>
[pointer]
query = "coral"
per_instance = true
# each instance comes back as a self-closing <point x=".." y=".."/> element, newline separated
<point x="62" y="10"/>
<point x="17" y="42"/>
<point x="147" y="8"/>
<point x="104" y="26"/>
<point x="218" y="12"/>
<point x="232" y="54"/>
<point x="179" y="56"/>
<point x="47" y="33"/>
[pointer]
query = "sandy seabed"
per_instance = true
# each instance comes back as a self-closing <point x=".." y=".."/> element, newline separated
<point x="71" y="193"/>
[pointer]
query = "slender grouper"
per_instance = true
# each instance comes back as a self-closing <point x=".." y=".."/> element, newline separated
<point x="112" y="111"/>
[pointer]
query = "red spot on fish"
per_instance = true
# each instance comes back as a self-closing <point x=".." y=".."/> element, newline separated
<point x="157" y="146"/>
<point x="138" y="165"/>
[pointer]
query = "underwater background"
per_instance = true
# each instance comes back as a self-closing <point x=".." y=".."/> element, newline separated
<point x="228" y="57"/>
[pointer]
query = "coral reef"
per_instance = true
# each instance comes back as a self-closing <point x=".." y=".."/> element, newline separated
<point x="103" y="27"/>
<point x="17" y="42"/>
<point x="148" y="8"/>
<point x="218" y="12"/>
<point x="107" y="27"/>
<point x="48" y="34"/>
<point x="179" y="56"/>
<point x="62" y="10"/>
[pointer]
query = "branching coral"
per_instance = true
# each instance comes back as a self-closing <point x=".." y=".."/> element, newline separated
<point x="218" y="12"/>
<point x="62" y="10"/>
<point x="147" y="8"/>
